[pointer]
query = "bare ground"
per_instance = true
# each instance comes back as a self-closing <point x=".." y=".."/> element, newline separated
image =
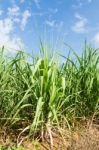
<point x="86" y="138"/>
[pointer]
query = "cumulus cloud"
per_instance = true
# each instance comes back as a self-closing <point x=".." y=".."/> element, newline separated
<point x="13" y="19"/>
<point x="14" y="11"/>
<point x="80" y="25"/>
<point x="54" y="24"/>
<point x="21" y="18"/>
<point x="6" y="25"/>
<point x="1" y="12"/>
<point x="50" y="23"/>
<point x="6" y="28"/>
<point x="25" y="16"/>
<point x="78" y="5"/>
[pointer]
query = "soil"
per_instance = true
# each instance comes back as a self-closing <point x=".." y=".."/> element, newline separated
<point x="77" y="139"/>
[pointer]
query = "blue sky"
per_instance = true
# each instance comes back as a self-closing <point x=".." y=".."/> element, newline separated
<point x="24" y="22"/>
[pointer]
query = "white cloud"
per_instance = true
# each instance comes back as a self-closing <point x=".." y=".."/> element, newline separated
<point x="14" y="11"/>
<point x="25" y="16"/>
<point x="78" y="16"/>
<point x="6" y="25"/>
<point x="6" y="38"/>
<point x="80" y="25"/>
<point x="79" y="3"/>
<point x="54" y="24"/>
<point x="37" y="3"/>
<point x="18" y="17"/>
<point x="1" y="12"/>
<point x="59" y="25"/>
<point x="14" y="14"/>
<point x="96" y="39"/>
<point x="50" y="23"/>
<point x="76" y="6"/>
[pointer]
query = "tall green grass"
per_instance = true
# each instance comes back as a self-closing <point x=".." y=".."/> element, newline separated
<point x="39" y="94"/>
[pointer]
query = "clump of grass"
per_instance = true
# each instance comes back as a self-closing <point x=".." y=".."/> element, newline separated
<point x="39" y="94"/>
